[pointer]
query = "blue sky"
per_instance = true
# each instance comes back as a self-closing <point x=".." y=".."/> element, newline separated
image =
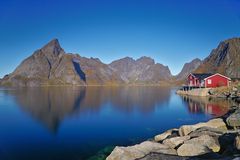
<point x="172" y="31"/>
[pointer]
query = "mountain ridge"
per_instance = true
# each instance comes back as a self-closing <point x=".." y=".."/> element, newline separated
<point x="51" y="65"/>
<point x="143" y="69"/>
<point x="188" y="68"/>
<point x="224" y="59"/>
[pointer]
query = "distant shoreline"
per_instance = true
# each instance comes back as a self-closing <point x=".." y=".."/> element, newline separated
<point x="96" y="85"/>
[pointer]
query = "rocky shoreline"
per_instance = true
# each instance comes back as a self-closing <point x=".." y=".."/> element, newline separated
<point x="232" y="92"/>
<point x="201" y="92"/>
<point x="219" y="138"/>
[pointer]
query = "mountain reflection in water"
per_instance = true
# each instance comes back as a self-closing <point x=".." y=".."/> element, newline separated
<point x="79" y="122"/>
<point x="51" y="105"/>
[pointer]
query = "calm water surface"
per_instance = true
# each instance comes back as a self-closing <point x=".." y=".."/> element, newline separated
<point x="66" y="123"/>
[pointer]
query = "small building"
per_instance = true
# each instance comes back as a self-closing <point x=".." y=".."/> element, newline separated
<point x="197" y="80"/>
<point x="207" y="80"/>
<point x="217" y="80"/>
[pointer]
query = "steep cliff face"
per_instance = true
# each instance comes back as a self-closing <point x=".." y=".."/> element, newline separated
<point x="142" y="70"/>
<point x="98" y="73"/>
<point x="188" y="68"/>
<point x="50" y="65"/>
<point x="225" y="59"/>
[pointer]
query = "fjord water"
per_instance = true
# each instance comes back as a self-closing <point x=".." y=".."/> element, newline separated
<point x="86" y="122"/>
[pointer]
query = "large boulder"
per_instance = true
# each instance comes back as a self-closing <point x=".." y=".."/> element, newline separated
<point x="158" y="156"/>
<point x="192" y="150"/>
<point x="175" y="141"/>
<point x="199" y="146"/>
<point x="139" y="151"/>
<point x="217" y="123"/>
<point x="234" y="119"/>
<point x="213" y="132"/>
<point x="161" y="137"/>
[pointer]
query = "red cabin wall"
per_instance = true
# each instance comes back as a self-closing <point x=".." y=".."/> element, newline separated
<point x="216" y="81"/>
<point x="195" y="81"/>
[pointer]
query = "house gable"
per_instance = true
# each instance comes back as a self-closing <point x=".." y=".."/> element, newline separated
<point x="217" y="80"/>
<point x="218" y="75"/>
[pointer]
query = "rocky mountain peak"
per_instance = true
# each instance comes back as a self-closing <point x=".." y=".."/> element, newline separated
<point x="146" y="60"/>
<point x="142" y="70"/>
<point x="224" y="59"/>
<point x="53" y="43"/>
<point x="234" y="40"/>
<point x="125" y="59"/>
<point x="196" y="60"/>
<point x="52" y="47"/>
<point x="128" y="58"/>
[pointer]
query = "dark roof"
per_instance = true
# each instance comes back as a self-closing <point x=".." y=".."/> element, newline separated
<point x="201" y="76"/>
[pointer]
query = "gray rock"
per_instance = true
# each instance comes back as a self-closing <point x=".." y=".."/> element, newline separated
<point x="209" y="156"/>
<point x="214" y="123"/>
<point x="206" y="131"/>
<point x="234" y="119"/>
<point x="192" y="150"/>
<point x="139" y="151"/>
<point x="175" y="141"/>
<point x="158" y="156"/>
<point x="198" y="146"/>
<point x="164" y="135"/>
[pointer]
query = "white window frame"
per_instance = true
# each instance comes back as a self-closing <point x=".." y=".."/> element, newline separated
<point x="209" y="81"/>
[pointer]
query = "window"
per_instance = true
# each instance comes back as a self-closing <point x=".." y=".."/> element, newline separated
<point x="209" y="81"/>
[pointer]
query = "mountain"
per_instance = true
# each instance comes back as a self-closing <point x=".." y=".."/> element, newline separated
<point x="143" y="70"/>
<point x="51" y="65"/>
<point x="188" y="68"/>
<point x="225" y="59"/>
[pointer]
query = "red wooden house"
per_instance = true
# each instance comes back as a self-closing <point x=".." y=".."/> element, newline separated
<point x="207" y="80"/>
<point x="217" y="80"/>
